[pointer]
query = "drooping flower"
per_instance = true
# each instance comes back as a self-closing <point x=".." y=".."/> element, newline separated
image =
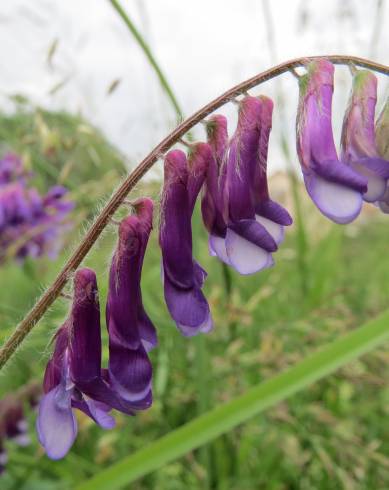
<point x="214" y="201"/>
<point x="245" y="224"/>
<point x="248" y="244"/>
<point x="131" y="332"/>
<point x="382" y="137"/>
<point x="334" y="187"/>
<point x="267" y="212"/>
<point x="182" y="276"/>
<point x="73" y="376"/>
<point x="30" y="224"/>
<point x="359" y="147"/>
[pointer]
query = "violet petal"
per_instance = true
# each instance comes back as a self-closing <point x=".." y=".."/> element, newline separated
<point x="56" y="425"/>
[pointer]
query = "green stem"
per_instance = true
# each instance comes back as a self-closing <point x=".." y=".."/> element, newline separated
<point x="227" y="280"/>
<point x="203" y="380"/>
<point x="149" y="55"/>
<point x="301" y="235"/>
<point x="229" y="415"/>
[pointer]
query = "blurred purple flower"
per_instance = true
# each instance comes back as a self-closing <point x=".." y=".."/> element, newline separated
<point x="30" y="225"/>
<point x="359" y="147"/>
<point x="182" y="276"/>
<point x="13" y="425"/>
<point x="334" y="187"/>
<point x="131" y="332"/>
<point x="245" y="225"/>
<point x="11" y="169"/>
<point x="73" y="377"/>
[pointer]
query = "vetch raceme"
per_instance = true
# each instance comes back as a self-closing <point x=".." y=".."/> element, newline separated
<point x="245" y="228"/>
<point x="182" y="276"/>
<point x="131" y="332"/>
<point x="359" y="147"/>
<point x="334" y="186"/>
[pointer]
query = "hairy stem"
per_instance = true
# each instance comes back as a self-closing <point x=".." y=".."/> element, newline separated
<point x="101" y="221"/>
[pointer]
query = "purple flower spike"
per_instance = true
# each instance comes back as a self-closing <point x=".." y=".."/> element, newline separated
<point x="182" y="276"/>
<point x="131" y="332"/>
<point x="73" y="377"/>
<point x="359" y="147"/>
<point x="248" y="243"/>
<point x="382" y="139"/>
<point x="334" y="187"/>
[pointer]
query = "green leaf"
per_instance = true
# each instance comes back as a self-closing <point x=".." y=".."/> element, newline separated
<point x="227" y="416"/>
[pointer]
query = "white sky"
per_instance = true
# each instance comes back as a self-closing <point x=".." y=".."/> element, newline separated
<point x="204" y="47"/>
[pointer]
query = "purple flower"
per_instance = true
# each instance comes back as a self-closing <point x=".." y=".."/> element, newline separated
<point x="359" y="147"/>
<point x="382" y="137"/>
<point x="131" y="332"/>
<point x="214" y="203"/>
<point x="334" y="187"/>
<point x="182" y="276"/>
<point x="73" y="376"/>
<point x="245" y="224"/>
<point x="267" y="212"/>
<point x="15" y="206"/>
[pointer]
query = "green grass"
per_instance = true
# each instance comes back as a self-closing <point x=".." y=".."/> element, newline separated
<point x="333" y="435"/>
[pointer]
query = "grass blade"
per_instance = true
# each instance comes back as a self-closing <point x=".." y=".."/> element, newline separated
<point x="227" y="416"/>
<point x="150" y="57"/>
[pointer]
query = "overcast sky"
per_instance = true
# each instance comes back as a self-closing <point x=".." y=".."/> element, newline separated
<point x="203" y="46"/>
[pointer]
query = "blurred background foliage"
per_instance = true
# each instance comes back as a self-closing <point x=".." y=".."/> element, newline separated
<point x="56" y="145"/>
<point x="332" y="436"/>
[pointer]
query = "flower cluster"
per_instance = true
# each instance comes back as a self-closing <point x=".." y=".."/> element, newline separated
<point x="338" y="186"/>
<point x="74" y="377"/>
<point x="30" y="224"/>
<point x="245" y="228"/>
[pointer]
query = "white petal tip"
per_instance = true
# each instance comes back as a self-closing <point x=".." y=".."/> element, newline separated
<point x="339" y="203"/>
<point x="244" y="256"/>
<point x="275" y="230"/>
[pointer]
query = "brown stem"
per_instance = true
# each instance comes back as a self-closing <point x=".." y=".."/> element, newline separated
<point x="52" y="293"/>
